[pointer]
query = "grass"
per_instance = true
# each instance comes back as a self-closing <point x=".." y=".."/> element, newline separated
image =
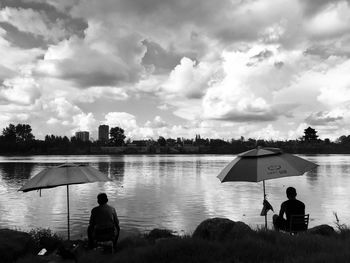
<point x="161" y="246"/>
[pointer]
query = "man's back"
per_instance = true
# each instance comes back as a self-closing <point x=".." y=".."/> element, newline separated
<point x="103" y="216"/>
<point x="293" y="207"/>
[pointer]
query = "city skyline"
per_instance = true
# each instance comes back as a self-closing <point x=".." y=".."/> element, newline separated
<point x="254" y="68"/>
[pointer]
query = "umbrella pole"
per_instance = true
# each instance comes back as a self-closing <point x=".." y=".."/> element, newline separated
<point x="68" y="211"/>
<point x="264" y="200"/>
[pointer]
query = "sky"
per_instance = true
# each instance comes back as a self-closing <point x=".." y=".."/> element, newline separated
<point x="264" y="69"/>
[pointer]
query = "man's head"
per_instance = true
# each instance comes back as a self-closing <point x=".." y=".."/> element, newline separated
<point x="102" y="199"/>
<point x="291" y="193"/>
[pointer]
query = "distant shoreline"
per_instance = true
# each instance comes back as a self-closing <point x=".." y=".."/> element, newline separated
<point x="149" y="154"/>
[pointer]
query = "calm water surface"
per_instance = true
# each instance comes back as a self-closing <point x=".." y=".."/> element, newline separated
<point x="176" y="192"/>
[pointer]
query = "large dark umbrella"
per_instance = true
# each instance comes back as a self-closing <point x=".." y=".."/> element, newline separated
<point x="262" y="164"/>
<point x="65" y="174"/>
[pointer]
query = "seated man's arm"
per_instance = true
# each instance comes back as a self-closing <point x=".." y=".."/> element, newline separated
<point x="115" y="219"/>
<point x="283" y="210"/>
<point x="92" y="219"/>
<point x="303" y="209"/>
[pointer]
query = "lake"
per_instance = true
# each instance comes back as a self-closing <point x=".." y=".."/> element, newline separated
<point x="176" y="192"/>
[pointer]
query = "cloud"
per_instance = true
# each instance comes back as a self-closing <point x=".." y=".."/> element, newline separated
<point x="121" y="119"/>
<point x="322" y="118"/>
<point x="66" y="118"/>
<point x="330" y="22"/>
<point x="261" y="56"/>
<point x="19" y="91"/>
<point x="108" y="93"/>
<point x="84" y="122"/>
<point x="100" y="59"/>
<point x="162" y="60"/>
<point x="28" y="20"/>
<point x="6" y="73"/>
<point x="62" y="108"/>
<point x="14" y="58"/>
<point x="312" y="7"/>
<point x="156" y="123"/>
<point x="248" y="93"/>
<point x="188" y="79"/>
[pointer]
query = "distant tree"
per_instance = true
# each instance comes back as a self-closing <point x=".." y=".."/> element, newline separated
<point x="310" y="135"/>
<point x="24" y="133"/>
<point x="179" y="141"/>
<point x="9" y="133"/>
<point x="161" y="141"/>
<point x="117" y="136"/>
<point x="170" y="142"/>
<point x="343" y="139"/>
<point x="18" y="133"/>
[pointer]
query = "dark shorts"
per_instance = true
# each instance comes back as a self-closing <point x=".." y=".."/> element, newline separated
<point x="279" y="223"/>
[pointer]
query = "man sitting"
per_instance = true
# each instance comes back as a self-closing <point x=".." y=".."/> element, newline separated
<point x="103" y="221"/>
<point x="290" y="207"/>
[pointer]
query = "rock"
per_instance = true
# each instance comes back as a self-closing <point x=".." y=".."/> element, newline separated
<point x="14" y="244"/>
<point x="323" y="230"/>
<point x="221" y="229"/>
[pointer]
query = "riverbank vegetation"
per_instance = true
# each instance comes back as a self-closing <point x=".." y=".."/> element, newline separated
<point x="18" y="139"/>
<point x="224" y="244"/>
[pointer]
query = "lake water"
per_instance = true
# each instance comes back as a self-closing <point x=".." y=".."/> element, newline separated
<point x="176" y="192"/>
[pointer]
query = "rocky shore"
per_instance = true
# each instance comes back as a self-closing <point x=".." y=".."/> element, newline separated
<point x="214" y="240"/>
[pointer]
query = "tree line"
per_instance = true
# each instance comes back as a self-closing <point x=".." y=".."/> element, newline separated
<point x="19" y="139"/>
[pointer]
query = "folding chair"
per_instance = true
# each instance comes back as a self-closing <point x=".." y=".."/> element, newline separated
<point x="298" y="223"/>
<point x="105" y="237"/>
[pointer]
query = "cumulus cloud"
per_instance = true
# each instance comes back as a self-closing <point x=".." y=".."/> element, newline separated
<point x="121" y="119"/>
<point x="28" y="20"/>
<point x="19" y="91"/>
<point x="330" y="22"/>
<point x="162" y="60"/>
<point x="14" y="58"/>
<point x="96" y="60"/>
<point x="67" y="118"/>
<point x="84" y="122"/>
<point x="188" y="79"/>
<point x="156" y="123"/>
<point x="247" y="93"/>
<point x="323" y="118"/>
<point x="108" y="93"/>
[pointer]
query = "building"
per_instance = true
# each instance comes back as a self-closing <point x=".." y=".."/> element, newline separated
<point x="82" y="135"/>
<point x="103" y="133"/>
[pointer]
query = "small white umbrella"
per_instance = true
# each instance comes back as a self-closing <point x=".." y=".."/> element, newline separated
<point x="262" y="164"/>
<point x="65" y="174"/>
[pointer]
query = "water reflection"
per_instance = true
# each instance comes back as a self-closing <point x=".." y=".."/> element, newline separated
<point x="12" y="176"/>
<point x="117" y="169"/>
<point x="19" y="171"/>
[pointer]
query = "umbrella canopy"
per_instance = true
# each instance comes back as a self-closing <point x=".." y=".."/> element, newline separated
<point x="65" y="174"/>
<point x="262" y="164"/>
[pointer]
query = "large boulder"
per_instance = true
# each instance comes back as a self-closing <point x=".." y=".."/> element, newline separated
<point x="323" y="230"/>
<point x="14" y="244"/>
<point x="221" y="229"/>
